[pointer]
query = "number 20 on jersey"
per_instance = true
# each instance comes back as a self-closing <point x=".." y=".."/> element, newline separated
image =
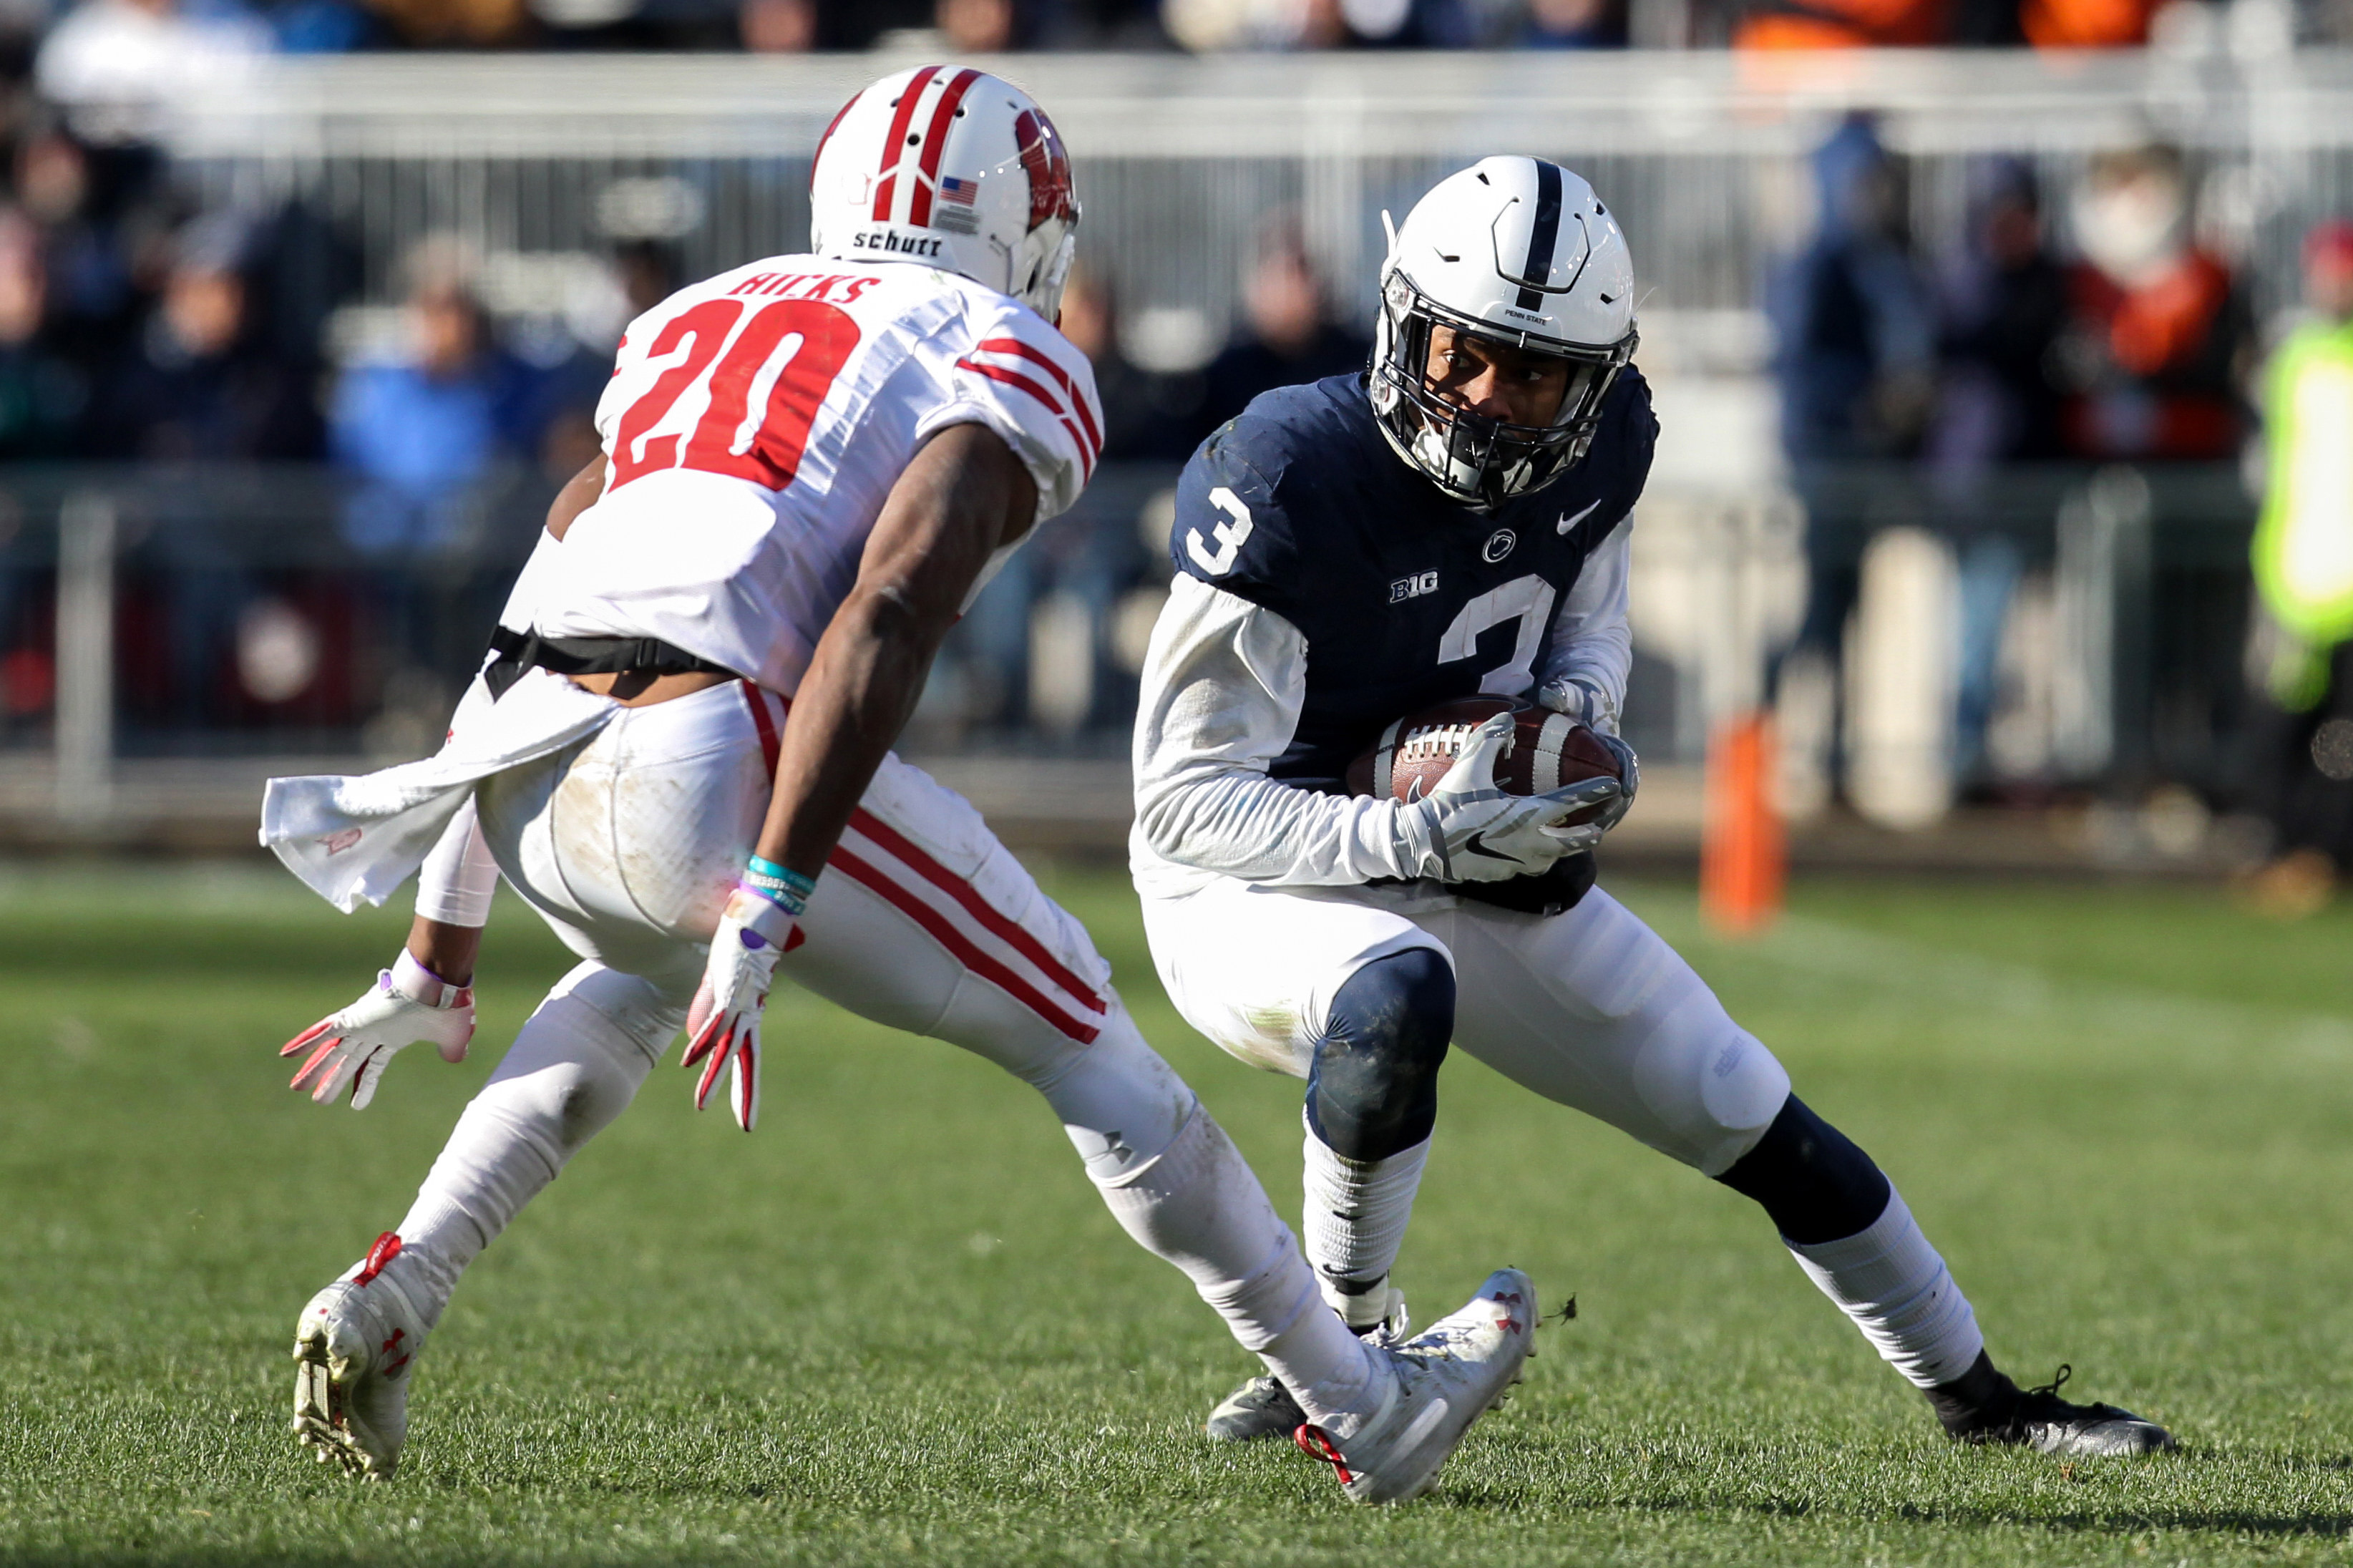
<point x="759" y="396"/>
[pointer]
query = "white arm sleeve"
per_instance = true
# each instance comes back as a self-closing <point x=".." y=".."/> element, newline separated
<point x="1591" y="648"/>
<point x="455" y="884"/>
<point x="1222" y="687"/>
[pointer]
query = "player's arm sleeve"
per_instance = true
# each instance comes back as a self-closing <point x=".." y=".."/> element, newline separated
<point x="1590" y="650"/>
<point x="1020" y="378"/>
<point x="455" y="884"/>
<point x="1222" y="687"/>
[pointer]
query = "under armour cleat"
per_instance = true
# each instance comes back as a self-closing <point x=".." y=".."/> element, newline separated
<point x="1446" y="1378"/>
<point x="355" y="1350"/>
<point x="1263" y="1408"/>
<point x="2037" y="1418"/>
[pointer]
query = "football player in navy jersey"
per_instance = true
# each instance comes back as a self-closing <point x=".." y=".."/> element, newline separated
<point x="1451" y="523"/>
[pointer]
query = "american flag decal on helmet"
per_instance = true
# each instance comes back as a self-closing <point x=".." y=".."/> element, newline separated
<point x="960" y="192"/>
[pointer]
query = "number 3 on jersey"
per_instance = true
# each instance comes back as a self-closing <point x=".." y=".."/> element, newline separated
<point x="758" y="398"/>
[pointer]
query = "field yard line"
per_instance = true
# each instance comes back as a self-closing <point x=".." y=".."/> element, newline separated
<point x="1873" y="959"/>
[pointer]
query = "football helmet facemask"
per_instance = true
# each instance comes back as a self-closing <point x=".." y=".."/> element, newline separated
<point x="1516" y="252"/>
<point x="952" y="168"/>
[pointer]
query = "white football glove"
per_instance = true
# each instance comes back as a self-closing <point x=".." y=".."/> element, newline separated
<point x="723" y="1025"/>
<point x="1585" y="835"/>
<point x="1581" y="701"/>
<point x="1467" y="830"/>
<point x="408" y="1003"/>
<point x="1592" y="706"/>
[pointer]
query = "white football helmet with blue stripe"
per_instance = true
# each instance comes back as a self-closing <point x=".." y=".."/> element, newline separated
<point x="1520" y="252"/>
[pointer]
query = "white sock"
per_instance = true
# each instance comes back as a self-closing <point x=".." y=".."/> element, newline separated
<point x="1355" y="1221"/>
<point x="1197" y="1205"/>
<point x="575" y="1067"/>
<point x="1896" y="1288"/>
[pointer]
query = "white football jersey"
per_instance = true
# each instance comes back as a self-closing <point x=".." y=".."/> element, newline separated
<point x="754" y="426"/>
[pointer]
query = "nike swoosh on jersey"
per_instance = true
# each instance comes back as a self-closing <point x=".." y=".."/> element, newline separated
<point x="1567" y="522"/>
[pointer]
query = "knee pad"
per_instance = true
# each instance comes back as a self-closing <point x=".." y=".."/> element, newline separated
<point x="1811" y="1179"/>
<point x="1372" y="1089"/>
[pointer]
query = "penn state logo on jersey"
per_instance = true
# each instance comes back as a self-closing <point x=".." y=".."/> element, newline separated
<point x="1405" y="596"/>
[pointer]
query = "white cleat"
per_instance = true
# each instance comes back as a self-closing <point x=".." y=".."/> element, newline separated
<point x="355" y="1350"/>
<point x="1447" y="1377"/>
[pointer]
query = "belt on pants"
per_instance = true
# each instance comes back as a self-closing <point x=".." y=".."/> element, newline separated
<point x="514" y="652"/>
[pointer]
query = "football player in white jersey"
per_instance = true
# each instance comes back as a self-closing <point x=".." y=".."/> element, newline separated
<point x="679" y="754"/>
<point x="1455" y="524"/>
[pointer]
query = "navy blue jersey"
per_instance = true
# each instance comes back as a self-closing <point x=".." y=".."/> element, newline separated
<point x="1406" y="598"/>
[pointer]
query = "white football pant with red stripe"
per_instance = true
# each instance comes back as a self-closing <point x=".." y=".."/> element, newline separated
<point x="629" y="843"/>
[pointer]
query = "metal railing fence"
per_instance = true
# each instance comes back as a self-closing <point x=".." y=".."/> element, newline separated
<point x="222" y="611"/>
<point x="1181" y="160"/>
<point x="211" y="592"/>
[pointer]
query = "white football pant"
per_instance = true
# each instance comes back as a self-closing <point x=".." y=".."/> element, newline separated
<point x="628" y="844"/>
<point x="1589" y="1007"/>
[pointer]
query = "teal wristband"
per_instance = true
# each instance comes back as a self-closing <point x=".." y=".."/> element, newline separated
<point x="782" y="874"/>
<point x="779" y="885"/>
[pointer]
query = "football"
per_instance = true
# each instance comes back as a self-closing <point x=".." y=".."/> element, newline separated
<point x="1547" y="752"/>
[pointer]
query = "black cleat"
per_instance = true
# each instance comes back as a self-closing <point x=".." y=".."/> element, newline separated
<point x="1985" y="1406"/>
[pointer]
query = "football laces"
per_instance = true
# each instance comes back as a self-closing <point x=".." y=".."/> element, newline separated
<point x="1441" y="741"/>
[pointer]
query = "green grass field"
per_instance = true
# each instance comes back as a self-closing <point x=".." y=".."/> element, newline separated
<point x="895" y="1324"/>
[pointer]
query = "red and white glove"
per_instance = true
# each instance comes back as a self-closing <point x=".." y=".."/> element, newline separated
<point x="722" y="1028"/>
<point x="408" y="1003"/>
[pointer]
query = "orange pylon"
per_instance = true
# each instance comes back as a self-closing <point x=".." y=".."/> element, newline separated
<point x="1742" y="861"/>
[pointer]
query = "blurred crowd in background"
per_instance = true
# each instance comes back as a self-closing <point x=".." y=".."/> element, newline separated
<point x="2089" y="327"/>
<point x="138" y="329"/>
<point x="2087" y="323"/>
<point x="99" y="49"/>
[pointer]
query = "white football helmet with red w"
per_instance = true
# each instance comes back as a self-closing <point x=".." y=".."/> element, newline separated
<point x="952" y="167"/>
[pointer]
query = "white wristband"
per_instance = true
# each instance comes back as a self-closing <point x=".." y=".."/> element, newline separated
<point x="419" y="984"/>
